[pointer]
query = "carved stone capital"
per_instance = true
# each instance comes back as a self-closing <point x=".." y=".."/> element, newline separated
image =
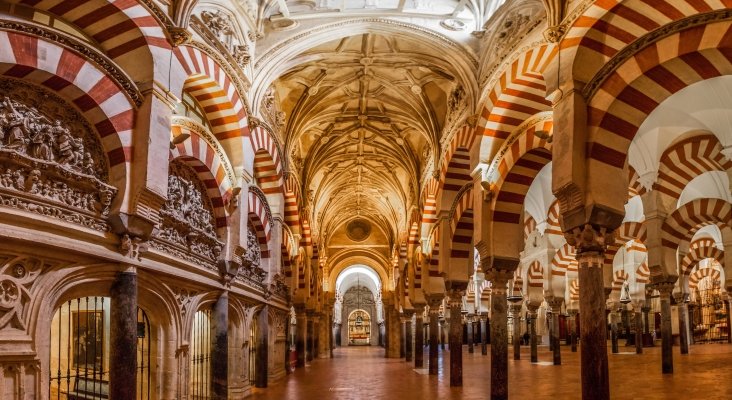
<point x="178" y="36"/>
<point x="554" y="34"/>
<point x="589" y="239"/>
<point x="554" y="302"/>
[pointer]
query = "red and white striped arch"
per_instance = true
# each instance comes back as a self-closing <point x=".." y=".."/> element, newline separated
<point x="535" y="275"/>
<point x="609" y="26"/>
<point x="564" y="260"/>
<point x="434" y="263"/>
<point x="125" y="30"/>
<point x="292" y="204"/>
<point x="211" y="169"/>
<point x="574" y="290"/>
<point x="687" y="219"/>
<point x="688" y="159"/>
<point x="701" y="273"/>
<point x="461" y="226"/>
<point x="553" y="226"/>
<point x="701" y="250"/>
<point x="529" y="225"/>
<point x="99" y="98"/>
<point x="455" y="168"/>
<point x="643" y="81"/>
<point x="267" y="163"/>
<point x="307" y="239"/>
<point x="627" y="231"/>
<point x="619" y="277"/>
<point x="517" y="95"/>
<point x="634" y="186"/>
<point x="429" y="212"/>
<point x="643" y="274"/>
<point x="259" y="218"/>
<point x="515" y="183"/>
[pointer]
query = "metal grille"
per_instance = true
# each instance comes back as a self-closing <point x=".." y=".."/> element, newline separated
<point x="708" y="316"/>
<point x="253" y="352"/>
<point x="200" y="375"/>
<point x="80" y="351"/>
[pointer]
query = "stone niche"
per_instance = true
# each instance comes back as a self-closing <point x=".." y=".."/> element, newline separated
<point x="187" y="226"/>
<point x="51" y="160"/>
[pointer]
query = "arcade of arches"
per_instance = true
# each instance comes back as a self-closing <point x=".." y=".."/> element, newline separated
<point x="198" y="198"/>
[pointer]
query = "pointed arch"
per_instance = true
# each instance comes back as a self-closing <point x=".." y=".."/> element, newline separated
<point x="260" y="217"/>
<point x="461" y="228"/>
<point x="456" y="168"/>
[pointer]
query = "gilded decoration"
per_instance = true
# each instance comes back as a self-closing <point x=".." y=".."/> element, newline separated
<point x="187" y="228"/>
<point x="51" y="161"/>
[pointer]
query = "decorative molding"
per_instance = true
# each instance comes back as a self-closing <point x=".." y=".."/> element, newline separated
<point x="97" y="57"/>
<point x="204" y="133"/>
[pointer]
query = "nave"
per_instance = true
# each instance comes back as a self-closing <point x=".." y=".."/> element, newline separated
<point x="360" y="372"/>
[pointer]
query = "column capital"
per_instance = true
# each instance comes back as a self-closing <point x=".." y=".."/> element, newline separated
<point x="555" y="303"/>
<point x="516" y="308"/>
<point x="590" y="238"/>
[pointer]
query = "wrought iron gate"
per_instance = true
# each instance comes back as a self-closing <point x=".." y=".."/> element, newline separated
<point x="79" y="359"/>
<point x="708" y="317"/>
<point x="200" y="373"/>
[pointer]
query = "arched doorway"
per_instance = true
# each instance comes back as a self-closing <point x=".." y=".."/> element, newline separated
<point x="80" y="338"/>
<point x="359" y="328"/>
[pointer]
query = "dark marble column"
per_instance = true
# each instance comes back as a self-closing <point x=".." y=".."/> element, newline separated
<point x="456" y="340"/>
<point x="419" y="339"/>
<point x="483" y="335"/>
<point x="516" y="317"/>
<point x="499" y="334"/>
<point x="220" y="347"/>
<point x="573" y="330"/>
<point x="123" y="337"/>
<point x="316" y="336"/>
<point x="310" y="343"/>
<point x="471" y="338"/>
<point x="729" y="318"/>
<point x="532" y="331"/>
<point x="626" y="325"/>
<point x="443" y="334"/>
<point x="593" y="337"/>
<point x="614" y="332"/>
<point x="402" y="337"/>
<point x="434" y="340"/>
<point x="667" y="357"/>
<point x="301" y="336"/>
<point x="638" y="331"/>
<point x="683" y="323"/>
<point x="262" y="349"/>
<point x="556" y="307"/>
<point x="409" y="338"/>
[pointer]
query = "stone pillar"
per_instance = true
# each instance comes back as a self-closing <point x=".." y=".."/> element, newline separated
<point x="301" y="336"/>
<point x="516" y="317"/>
<point x="573" y="329"/>
<point x="471" y="338"/>
<point x="456" y="338"/>
<point x="667" y="357"/>
<point x="443" y="334"/>
<point x="324" y="342"/>
<point x="219" y="348"/>
<point x="556" y="307"/>
<point x="309" y="346"/>
<point x="729" y="319"/>
<point x="418" y="339"/>
<point x="614" y="317"/>
<point x="262" y="349"/>
<point x="408" y="341"/>
<point x="316" y="336"/>
<point x="638" y="331"/>
<point x="626" y="325"/>
<point x="483" y="335"/>
<point x="683" y="323"/>
<point x="402" y="337"/>
<point x="532" y="331"/>
<point x="434" y="340"/>
<point x="123" y="336"/>
<point x="593" y="337"/>
<point x="393" y="332"/>
<point x="499" y="333"/>
<point x="646" y="322"/>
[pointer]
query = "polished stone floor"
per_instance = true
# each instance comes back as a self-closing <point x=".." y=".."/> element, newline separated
<point x="364" y="373"/>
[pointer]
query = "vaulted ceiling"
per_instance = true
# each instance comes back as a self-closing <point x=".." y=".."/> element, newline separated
<point x="364" y="117"/>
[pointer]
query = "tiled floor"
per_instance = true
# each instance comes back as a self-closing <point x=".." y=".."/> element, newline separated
<point x="363" y="373"/>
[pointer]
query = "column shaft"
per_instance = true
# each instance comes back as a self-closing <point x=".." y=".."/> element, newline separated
<point x="557" y="354"/>
<point x="310" y="340"/>
<point x="667" y="357"/>
<point x="456" y="342"/>
<point x="418" y="340"/>
<point x="593" y="353"/>
<point x="683" y="326"/>
<point x="471" y="338"/>
<point x="301" y="337"/>
<point x="516" y="314"/>
<point x="499" y="339"/>
<point x="219" y="348"/>
<point x="434" y="341"/>
<point x="532" y="332"/>
<point x="638" y="332"/>
<point x="408" y="339"/>
<point x="262" y="343"/>
<point x="484" y="336"/>
<point x="123" y="337"/>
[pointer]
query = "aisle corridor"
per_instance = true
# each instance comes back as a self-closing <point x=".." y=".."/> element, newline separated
<point x="357" y="373"/>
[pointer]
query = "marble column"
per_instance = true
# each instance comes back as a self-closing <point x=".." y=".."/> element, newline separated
<point x="638" y="330"/>
<point x="219" y="348"/>
<point x="499" y="333"/>
<point x="324" y="342"/>
<point x="483" y="335"/>
<point x="262" y="343"/>
<point x="301" y="336"/>
<point x="419" y="339"/>
<point x="683" y="322"/>
<point x="402" y="337"/>
<point x="573" y="329"/>
<point x="626" y="325"/>
<point x="309" y="336"/>
<point x="646" y="322"/>
<point x="443" y="334"/>
<point x="434" y="340"/>
<point x="393" y="333"/>
<point x="593" y="336"/>
<point x="532" y="331"/>
<point x="409" y="339"/>
<point x="556" y="307"/>
<point x="614" y="318"/>
<point x="471" y="338"/>
<point x="456" y="339"/>
<point x="516" y="318"/>
<point x="667" y="357"/>
<point x="123" y="336"/>
<point x="316" y="336"/>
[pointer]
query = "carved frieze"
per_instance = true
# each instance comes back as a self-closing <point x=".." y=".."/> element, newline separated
<point x="222" y="26"/>
<point x="17" y="275"/>
<point x="51" y="161"/>
<point x="187" y="227"/>
<point x="251" y="271"/>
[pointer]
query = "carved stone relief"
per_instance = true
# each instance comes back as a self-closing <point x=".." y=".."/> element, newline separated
<point x="222" y="26"/>
<point x="17" y="275"/>
<point x="187" y="227"/>
<point x="251" y="272"/>
<point x="51" y="161"/>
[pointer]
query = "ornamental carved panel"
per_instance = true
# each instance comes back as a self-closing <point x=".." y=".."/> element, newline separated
<point x="187" y="228"/>
<point x="51" y="160"/>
